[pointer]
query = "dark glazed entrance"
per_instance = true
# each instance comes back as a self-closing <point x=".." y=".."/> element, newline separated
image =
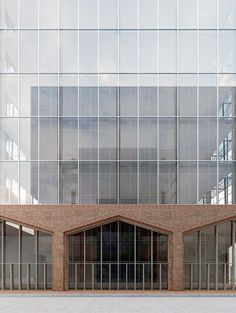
<point x="118" y="255"/>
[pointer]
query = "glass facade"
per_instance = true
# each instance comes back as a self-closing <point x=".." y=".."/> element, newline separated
<point x="25" y="257"/>
<point x="116" y="101"/>
<point x="118" y="256"/>
<point x="210" y="257"/>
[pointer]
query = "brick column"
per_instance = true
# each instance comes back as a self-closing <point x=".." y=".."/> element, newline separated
<point x="58" y="261"/>
<point x="177" y="261"/>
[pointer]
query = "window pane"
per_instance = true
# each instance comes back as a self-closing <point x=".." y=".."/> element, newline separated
<point x="88" y="138"/>
<point x="88" y="52"/>
<point x="9" y="14"/>
<point x="48" y="14"/>
<point x="68" y="139"/>
<point x="167" y="182"/>
<point x="188" y="182"/>
<point x="207" y="51"/>
<point x="68" y="13"/>
<point x="108" y="182"/>
<point x="108" y="138"/>
<point x="28" y="20"/>
<point x="48" y="96"/>
<point x="227" y="51"/>
<point x="9" y="139"/>
<point x="187" y="138"/>
<point x="148" y="182"/>
<point x="48" y="54"/>
<point x="88" y="14"/>
<point x="29" y="183"/>
<point x="68" y="191"/>
<point x="108" y="14"/>
<point x="148" y="101"/>
<point x="128" y="101"/>
<point x="128" y="14"/>
<point x="108" y="101"/>
<point x="167" y="139"/>
<point x="9" y="185"/>
<point x="128" y="52"/>
<point x="8" y="95"/>
<point x="48" y="182"/>
<point x="88" y="101"/>
<point x="148" y="139"/>
<point x="167" y="14"/>
<point x="168" y="48"/>
<point x="227" y="14"/>
<point x="48" y="139"/>
<point x="207" y="138"/>
<point x="28" y="51"/>
<point x="148" y="14"/>
<point x="188" y="52"/>
<point x="88" y="182"/>
<point x="148" y="51"/>
<point x="108" y="52"/>
<point x="128" y="182"/>
<point x="128" y="138"/>
<point x="8" y="53"/>
<point x="68" y="51"/>
<point x="207" y="13"/>
<point x="28" y="139"/>
<point x="188" y="13"/>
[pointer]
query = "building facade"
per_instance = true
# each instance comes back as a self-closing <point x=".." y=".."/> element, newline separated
<point x="117" y="136"/>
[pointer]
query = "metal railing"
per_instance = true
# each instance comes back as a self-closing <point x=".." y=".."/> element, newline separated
<point x="113" y="275"/>
<point x="25" y="276"/>
<point x="210" y="275"/>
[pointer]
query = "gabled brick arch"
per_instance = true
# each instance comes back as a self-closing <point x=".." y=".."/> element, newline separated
<point x="173" y="219"/>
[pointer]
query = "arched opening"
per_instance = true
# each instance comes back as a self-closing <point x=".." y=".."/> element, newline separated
<point x="118" y="255"/>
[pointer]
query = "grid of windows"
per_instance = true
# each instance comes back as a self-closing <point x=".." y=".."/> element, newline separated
<point x="117" y="101"/>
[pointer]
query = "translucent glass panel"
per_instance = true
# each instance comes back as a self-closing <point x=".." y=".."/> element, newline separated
<point x="26" y="257"/>
<point x="114" y="101"/>
<point x="118" y="254"/>
<point x="68" y="14"/>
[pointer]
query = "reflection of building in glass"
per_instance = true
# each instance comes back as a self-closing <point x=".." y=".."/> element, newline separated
<point x="120" y="104"/>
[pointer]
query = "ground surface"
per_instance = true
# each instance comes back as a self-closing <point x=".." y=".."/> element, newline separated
<point x="59" y="303"/>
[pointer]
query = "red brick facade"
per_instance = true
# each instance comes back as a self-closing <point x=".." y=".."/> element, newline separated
<point x="174" y="220"/>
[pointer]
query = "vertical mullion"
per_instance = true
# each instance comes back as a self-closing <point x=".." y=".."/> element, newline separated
<point x="19" y="256"/>
<point x="138" y="90"/>
<point x="58" y="102"/>
<point x="177" y="102"/>
<point x="98" y="120"/>
<point x="151" y="260"/>
<point x="158" y="105"/>
<point x="233" y="253"/>
<point x="197" y="93"/>
<point x="135" y="256"/>
<point x="84" y="260"/>
<point x="78" y="107"/>
<point x="3" y="254"/>
<point x="36" y="259"/>
<point x="101" y="255"/>
<point x="118" y="102"/>
<point x="18" y="97"/>
<point x="38" y="97"/>
<point x="199" y="261"/>
<point x="216" y="257"/>
<point x="118" y="254"/>
<point x="217" y="101"/>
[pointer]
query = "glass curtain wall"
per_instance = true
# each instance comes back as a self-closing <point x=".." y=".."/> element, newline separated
<point x="117" y="101"/>
<point x="210" y="258"/>
<point x="25" y="257"/>
<point x="118" y="256"/>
